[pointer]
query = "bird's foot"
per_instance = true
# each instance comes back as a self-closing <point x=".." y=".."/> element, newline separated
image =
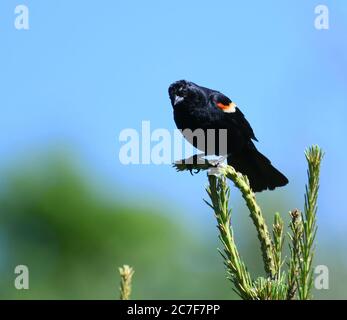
<point x="194" y="164"/>
<point x="216" y="165"/>
<point x="218" y="162"/>
<point x="198" y="162"/>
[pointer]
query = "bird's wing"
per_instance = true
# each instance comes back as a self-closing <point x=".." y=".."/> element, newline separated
<point x="233" y="115"/>
<point x="241" y="122"/>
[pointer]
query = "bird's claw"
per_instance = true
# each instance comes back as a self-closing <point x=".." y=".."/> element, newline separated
<point x="194" y="171"/>
<point x="218" y="162"/>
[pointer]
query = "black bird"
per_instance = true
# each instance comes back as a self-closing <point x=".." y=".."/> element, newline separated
<point x="196" y="107"/>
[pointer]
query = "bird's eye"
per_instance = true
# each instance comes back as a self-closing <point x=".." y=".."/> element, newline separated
<point x="180" y="90"/>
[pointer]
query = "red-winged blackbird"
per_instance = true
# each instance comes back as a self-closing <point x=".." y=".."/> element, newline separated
<point x="197" y="107"/>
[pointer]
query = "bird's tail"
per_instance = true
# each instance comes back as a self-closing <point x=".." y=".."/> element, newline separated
<point x="261" y="174"/>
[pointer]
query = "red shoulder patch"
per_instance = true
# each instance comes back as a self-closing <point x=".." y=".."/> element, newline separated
<point x="227" y="107"/>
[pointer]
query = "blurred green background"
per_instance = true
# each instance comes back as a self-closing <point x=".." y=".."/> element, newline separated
<point x="60" y="220"/>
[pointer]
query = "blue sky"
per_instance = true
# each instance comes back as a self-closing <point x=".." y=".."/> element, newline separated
<point x="86" y="70"/>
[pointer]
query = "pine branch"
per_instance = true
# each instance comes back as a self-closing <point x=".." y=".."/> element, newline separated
<point x="314" y="156"/>
<point x="295" y="253"/>
<point x="126" y="274"/>
<point x="278" y="284"/>
<point x="219" y="192"/>
<point x="277" y="231"/>
<point x="267" y="248"/>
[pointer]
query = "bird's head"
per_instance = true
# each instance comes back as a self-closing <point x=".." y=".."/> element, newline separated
<point x="187" y="93"/>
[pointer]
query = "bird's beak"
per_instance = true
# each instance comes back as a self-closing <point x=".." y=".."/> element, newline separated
<point x="177" y="100"/>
